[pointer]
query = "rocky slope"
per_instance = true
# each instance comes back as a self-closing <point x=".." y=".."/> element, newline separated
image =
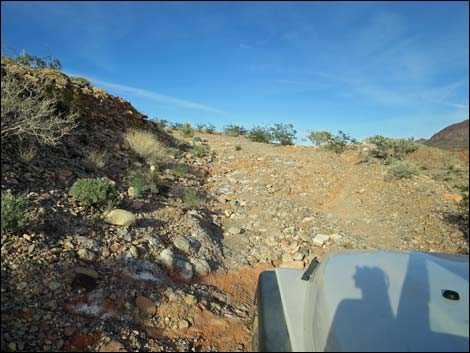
<point x="455" y="136"/>
<point x="183" y="278"/>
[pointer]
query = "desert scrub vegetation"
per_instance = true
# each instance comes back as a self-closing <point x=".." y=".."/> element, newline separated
<point x="337" y="143"/>
<point x="191" y="199"/>
<point x="401" y="169"/>
<point x="36" y="62"/>
<point x="95" y="159"/>
<point x="283" y="134"/>
<point x="95" y="192"/>
<point x="143" y="180"/>
<point x="180" y="171"/>
<point x="260" y="134"/>
<point x="395" y="148"/>
<point x="200" y="151"/>
<point x="235" y="130"/>
<point x="207" y="128"/>
<point x="15" y="212"/>
<point x="187" y="130"/>
<point x="29" y="116"/>
<point x="238" y="147"/>
<point x="81" y="82"/>
<point x="146" y="145"/>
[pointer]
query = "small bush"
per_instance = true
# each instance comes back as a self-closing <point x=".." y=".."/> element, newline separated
<point x="238" y="148"/>
<point x="235" y="130"/>
<point x="365" y="157"/>
<point x="210" y="129"/>
<point x="146" y="145"/>
<point x="187" y="130"/>
<point x="80" y="81"/>
<point x="197" y="139"/>
<point x="200" y="151"/>
<point x="319" y="138"/>
<point x="15" y="215"/>
<point x="180" y="171"/>
<point x="159" y="124"/>
<point x="260" y="134"/>
<point x="283" y="134"/>
<point x="401" y="169"/>
<point x="94" y="192"/>
<point x="339" y="143"/>
<point x="396" y="148"/>
<point x="96" y="160"/>
<point x="191" y="199"/>
<point x="142" y="180"/>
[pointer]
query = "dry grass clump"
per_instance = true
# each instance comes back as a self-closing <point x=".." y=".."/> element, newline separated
<point x="96" y="159"/>
<point x="145" y="145"/>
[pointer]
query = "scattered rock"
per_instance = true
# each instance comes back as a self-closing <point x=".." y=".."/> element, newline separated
<point x="146" y="306"/>
<point x="182" y="243"/>
<point x="87" y="255"/>
<point x="320" y="239"/>
<point x="120" y="218"/>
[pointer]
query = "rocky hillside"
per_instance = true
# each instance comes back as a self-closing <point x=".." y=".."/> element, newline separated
<point x="455" y="136"/>
<point x="180" y="273"/>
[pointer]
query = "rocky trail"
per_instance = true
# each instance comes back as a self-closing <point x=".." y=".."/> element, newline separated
<point x="183" y="277"/>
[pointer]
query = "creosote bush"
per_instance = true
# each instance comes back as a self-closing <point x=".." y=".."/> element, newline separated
<point x="95" y="192"/>
<point x="235" y="130"/>
<point x="401" y="169"/>
<point x="260" y="134"/>
<point x="187" y="130"/>
<point x="15" y="214"/>
<point x="395" y="148"/>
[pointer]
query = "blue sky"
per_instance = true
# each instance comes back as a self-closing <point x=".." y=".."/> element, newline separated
<point x="398" y="69"/>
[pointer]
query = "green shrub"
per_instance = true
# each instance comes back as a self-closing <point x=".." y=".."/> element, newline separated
<point x="191" y="199"/>
<point x="197" y="139"/>
<point x="260" y="134"/>
<point x="94" y="192"/>
<point x="200" y="151"/>
<point x="159" y="124"/>
<point x="401" y="169"/>
<point x="15" y="215"/>
<point x="388" y="147"/>
<point x="320" y="137"/>
<point x="283" y="134"/>
<point x="235" y="130"/>
<point x="210" y="129"/>
<point x="187" y="130"/>
<point x="339" y="143"/>
<point x="238" y="148"/>
<point x="142" y="180"/>
<point x="180" y="171"/>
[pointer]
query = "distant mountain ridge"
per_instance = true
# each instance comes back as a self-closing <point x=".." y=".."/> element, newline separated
<point x="454" y="136"/>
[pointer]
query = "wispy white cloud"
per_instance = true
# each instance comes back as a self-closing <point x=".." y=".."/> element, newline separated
<point x="154" y="96"/>
<point x="245" y="46"/>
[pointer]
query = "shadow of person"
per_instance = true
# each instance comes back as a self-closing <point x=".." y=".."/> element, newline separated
<point x="422" y="320"/>
<point x="363" y="323"/>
